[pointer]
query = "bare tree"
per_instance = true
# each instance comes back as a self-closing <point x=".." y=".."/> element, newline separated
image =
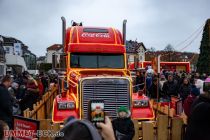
<point x="169" y="48"/>
<point x="152" y="49"/>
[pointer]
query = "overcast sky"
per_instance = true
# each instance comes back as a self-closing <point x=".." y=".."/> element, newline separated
<point x="156" y="23"/>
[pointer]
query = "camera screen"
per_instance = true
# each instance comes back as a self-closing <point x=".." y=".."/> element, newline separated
<point x="97" y="112"/>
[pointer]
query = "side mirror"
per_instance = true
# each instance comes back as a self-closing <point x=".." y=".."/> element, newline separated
<point x="63" y="86"/>
<point x="66" y="85"/>
<point x="63" y="61"/>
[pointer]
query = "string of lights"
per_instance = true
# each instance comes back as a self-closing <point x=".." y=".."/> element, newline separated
<point x="182" y="42"/>
<point x="196" y="33"/>
<point x="192" y="40"/>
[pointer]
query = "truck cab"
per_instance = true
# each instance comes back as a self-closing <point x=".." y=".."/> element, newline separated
<point x="96" y="68"/>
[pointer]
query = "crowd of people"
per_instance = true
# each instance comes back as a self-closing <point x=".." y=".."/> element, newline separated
<point x="24" y="90"/>
<point x="192" y="88"/>
<point x="20" y="92"/>
<point x="167" y="84"/>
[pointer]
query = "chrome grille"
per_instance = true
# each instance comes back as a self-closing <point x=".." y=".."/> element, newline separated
<point x="114" y="92"/>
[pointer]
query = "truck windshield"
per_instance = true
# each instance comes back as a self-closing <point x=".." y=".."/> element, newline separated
<point x="79" y="60"/>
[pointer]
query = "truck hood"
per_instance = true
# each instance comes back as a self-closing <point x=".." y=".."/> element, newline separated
<point x="102" y="73"/>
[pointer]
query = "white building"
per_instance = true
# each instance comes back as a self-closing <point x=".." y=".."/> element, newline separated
<point x="2" y="59"/>
<point x="56" y="48"/>
<point x="14" y="60"/>
<point x="141" y="52"/>
<point x="134" y="51"/>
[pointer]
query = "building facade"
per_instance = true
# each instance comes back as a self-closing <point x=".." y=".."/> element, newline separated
<point x="52" y="50"/>
<point x="135" y="50"/>
<point x="18" y="57"/>
<point x="2" y="59"/>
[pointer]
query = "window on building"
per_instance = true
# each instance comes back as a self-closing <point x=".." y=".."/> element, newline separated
<point x="7" y="49"/>
<point x="140" y="58"/>
<point x="131" y="58"/>
<point x="2" y="54"/>
<point x="1" y="70"/>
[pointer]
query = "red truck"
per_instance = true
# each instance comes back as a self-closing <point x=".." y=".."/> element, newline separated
<point x="96" y="68"/>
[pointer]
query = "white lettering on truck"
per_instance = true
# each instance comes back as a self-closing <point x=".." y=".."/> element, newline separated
<point x="97" y="35"/>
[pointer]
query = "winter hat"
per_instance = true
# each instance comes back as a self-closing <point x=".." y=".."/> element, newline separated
<point x="207" y="80"/>
<point x="122" y="109"/>
<point x="195" y="91"/>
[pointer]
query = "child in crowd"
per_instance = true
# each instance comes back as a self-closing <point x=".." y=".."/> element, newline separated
<point x="123" y="126"/>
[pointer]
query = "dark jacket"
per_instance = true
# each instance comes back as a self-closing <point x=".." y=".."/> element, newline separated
<point x="153" y="91"/>
<point x="199" y="119"/>
<point x="188" y="103"/>
<point x="170" y="88"/>
<point x="5" y="105"/>
<point x="44" y="82"/>
<point x="184" y="91"/>
<point x="124" y="126"/>
<point x="140" y="81"/>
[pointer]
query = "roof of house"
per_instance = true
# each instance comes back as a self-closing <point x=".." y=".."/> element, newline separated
<point x="41" y="58"/>
<point x="55" y="47"/>
<point x="10" y="39"/>
<point x="174" y="55"/>
<point x="133" y="46"/>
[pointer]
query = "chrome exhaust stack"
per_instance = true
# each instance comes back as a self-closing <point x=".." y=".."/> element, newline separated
<point x="124" y="31"/>
<point x="63" y="32"/>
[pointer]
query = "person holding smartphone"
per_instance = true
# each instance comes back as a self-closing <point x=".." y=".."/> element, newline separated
<point x="75" y="129"/>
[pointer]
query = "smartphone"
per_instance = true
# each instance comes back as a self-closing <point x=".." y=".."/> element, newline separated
<point x="96" y="111"/>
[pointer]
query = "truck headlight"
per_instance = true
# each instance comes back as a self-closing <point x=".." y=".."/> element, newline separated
<point x="66" y="105"/>
<point x="140" y="103"/>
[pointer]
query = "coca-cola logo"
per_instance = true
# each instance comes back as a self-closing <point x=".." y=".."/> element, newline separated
<point x="96" y="35"/>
